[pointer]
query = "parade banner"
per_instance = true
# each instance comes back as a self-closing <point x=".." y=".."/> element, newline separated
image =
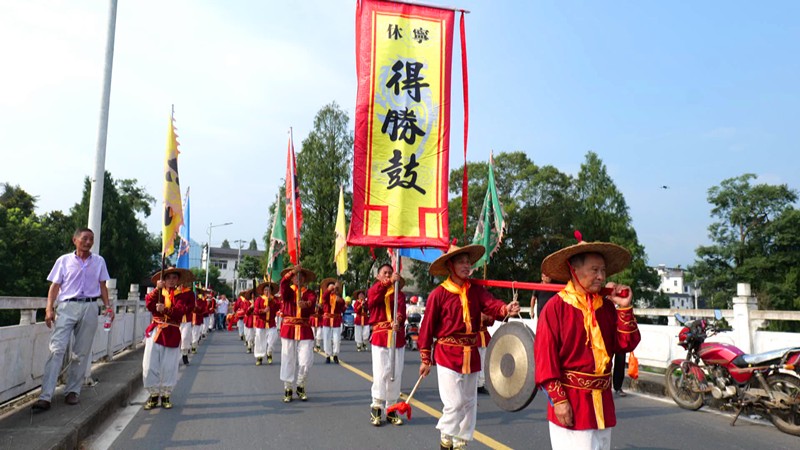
<point x="173" y="210"/>
<point x="184" y="235"/>
<point x="492" y="221"/>
<point x="340" y="241"/>
<point x="294" y="212"/>
<point x="277" y="245"/>
<point x="401" y="157"/>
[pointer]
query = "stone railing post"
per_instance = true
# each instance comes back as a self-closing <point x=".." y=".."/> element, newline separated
<point x="112" y="301"/>
<point x="743" y="303"/>
<point x="133" y="296"/>
<point x="27" y="316"/>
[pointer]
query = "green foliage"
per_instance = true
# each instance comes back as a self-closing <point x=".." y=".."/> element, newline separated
<point x="253" y="245"/>
<point x="225" y="244"/>
<point x="131" y="252"/>
<point x="214" y="282"/>
<point x="755" y="241"/>
<point x="251" y="267"/>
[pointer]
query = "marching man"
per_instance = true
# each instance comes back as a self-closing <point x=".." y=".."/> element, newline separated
<point x="332" y="309"/>
<point x="453" y="317"/>
<point x="238" y="310"/>
<point x="297" y="339"/>
<point x="167" y="303"/>
<point x="264" y="322"/>
<point x="197" y="319"/>
<point x="249" y="307"/>
<point x="380" y="301"/>
<point x="361" y="320"/>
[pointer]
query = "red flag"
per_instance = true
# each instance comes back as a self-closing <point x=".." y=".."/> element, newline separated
<point x="294" y="213"/>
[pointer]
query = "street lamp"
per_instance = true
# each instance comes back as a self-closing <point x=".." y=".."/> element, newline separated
<point x="238" y="260"/>
<point x="208" y="257"/>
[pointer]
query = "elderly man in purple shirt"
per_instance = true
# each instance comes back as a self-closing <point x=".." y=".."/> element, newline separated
<point x="78" y="281"/>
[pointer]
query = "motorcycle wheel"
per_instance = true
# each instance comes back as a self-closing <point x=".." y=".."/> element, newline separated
<point x="682" y="395"/>
<point x="786" y="420"/>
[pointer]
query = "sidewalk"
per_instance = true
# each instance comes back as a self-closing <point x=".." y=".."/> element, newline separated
<point x="65" y="426"/>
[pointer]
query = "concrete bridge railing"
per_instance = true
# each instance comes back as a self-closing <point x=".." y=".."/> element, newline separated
<point x="24" y="348"/>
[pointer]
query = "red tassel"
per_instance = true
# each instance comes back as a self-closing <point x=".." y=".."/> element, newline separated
<point x="578" y="236"/>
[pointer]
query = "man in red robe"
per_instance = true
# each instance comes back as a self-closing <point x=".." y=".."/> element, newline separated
<point x="332" y="310"/>
<point x="578" y="331"/>
<point x="360" y="320"/>
<point x="453" y="317"/>
<point x="197" y="318"/>
<point x="264" y="322"/>
<point x="380" y="302"/>
<point x="168" y="303"/>
<point x="297" y="339"/>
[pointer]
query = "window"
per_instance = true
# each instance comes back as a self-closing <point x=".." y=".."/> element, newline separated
<point x="221" y="264"/>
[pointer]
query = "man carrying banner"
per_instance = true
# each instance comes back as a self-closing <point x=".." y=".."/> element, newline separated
<point x="577" y="332"/>
<point x="360" y="320"/>
<point x="332" y="310"/>
<point x="264" y="322"/>
<point x="297" y="340"/>
<point x="168" y="303"/>
<point x="380" y="302"/>
<point x="453" y="317"/>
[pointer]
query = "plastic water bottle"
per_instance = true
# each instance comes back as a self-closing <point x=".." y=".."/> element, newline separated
<point x="107" y="321"/>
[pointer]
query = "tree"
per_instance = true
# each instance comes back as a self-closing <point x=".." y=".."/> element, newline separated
<point x="253" y="245"/>
<point x="323" y="165"/>
<point x="753" y="241"/>
<point x="214" y="282"/>
<point x="225" y="244"/>
<point x="132" y="254"/>
<point x="16" y="197"/>
<point x="251" y="267"/>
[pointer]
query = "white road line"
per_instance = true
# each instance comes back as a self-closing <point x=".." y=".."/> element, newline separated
<point x="764" y="422"/>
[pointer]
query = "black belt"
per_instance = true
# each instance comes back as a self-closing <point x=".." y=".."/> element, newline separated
<point x="87" y="300"/>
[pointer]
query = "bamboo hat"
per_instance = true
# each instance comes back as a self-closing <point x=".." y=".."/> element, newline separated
<point x="307" y="274"/>
<point x="186" y="276"/>
<point x="439" y="266"/>
<point x="326" y="281"/>
<point x="360" y="291"/>
<point x="616" y="257"/>
<point x="273" y="287"/>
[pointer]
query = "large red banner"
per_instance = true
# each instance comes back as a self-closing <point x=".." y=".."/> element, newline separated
<point x="400" y="165"/>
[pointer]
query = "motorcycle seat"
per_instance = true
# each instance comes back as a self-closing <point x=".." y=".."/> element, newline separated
<point x="760" y="359"/>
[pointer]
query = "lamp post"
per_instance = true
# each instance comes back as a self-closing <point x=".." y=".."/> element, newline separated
<point x="208" y="257"/>
<point x="238" y="260"/>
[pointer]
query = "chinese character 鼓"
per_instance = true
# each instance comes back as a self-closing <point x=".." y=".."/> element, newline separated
<point x="420" y="34"/>
<point x="396" y="168"/>
<point x="403" y="126"/>
<point x="395" y="32"/>
<point x="413" y="81"/>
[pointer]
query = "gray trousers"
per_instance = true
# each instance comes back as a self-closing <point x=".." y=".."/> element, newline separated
<point x="80" y="318"/>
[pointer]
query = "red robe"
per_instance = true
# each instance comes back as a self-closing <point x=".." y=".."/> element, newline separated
<point x="360" y="317"/>
<point x="332" y="309"/>
<point x="483" y="335"/>
<point x="264" y="314"/>
<point x="166" y="324"/>
<point x="238" y="308"/>
<point x="295" y="324"/>
<point x="199" y="311"/>
<point x="248" y="306"/>
<point x="565" y="360"/>
<point x="380" y="302"/>
<point x="457" y="340"/>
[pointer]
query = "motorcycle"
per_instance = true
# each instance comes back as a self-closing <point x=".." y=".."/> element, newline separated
<point x="769" y="382"/>
<point x="412" y="331"/>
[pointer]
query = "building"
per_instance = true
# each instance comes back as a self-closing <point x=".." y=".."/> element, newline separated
<point x="681" y="294"/>
<point x="227" y="259"/>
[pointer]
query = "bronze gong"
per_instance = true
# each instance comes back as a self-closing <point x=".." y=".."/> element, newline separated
<point x="510" y="366"/>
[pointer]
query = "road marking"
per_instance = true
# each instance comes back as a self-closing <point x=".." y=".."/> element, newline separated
<point x="706" y="409"/>
<point x="118" y="422"/>
<point x="477" y="435"/>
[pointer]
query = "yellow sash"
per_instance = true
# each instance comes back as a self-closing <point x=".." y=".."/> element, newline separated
<point x="298" y="294"/>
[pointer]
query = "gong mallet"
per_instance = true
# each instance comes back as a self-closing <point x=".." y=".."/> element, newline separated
<point x="405" y="407"/>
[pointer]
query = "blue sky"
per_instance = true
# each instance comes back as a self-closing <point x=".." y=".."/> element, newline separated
<point x="684" y="94"/>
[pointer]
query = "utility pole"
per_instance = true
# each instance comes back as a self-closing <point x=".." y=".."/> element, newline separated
<point x="238" y="260"/>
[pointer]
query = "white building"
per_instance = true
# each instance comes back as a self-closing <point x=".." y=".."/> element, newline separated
<point x="681" y="294"/>
<point x="227" y="259"/>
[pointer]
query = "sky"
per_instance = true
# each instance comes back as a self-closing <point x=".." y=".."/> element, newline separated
<point x="681" y="94"/>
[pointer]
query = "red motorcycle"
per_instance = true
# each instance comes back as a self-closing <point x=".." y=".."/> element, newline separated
<point x="767" y="381"/>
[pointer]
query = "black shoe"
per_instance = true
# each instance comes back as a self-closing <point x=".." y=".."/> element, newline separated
<point x="327" y="360"/>
<point x="336" y="359"/>
<point x="445" y="446"/>
<point x="186" y="360"/>
<point x="165" y="403"/>
<point x="151" y="403"/>
<point x="241" y="338"/>
<point x="394" y="418"/>
<point x="269" y="359"/>
<point x="287" y="395"/>
<point x="301" y="393"/>
<point x="194" y="350"/>
<point x="258" y="361"/>
<point x="40" y="405"/>
<point x="71" y="399"/>
<point x="482" y="390"/>
<point x="375" y="416"/>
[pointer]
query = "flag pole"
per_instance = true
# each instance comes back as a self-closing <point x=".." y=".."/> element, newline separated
<point x="294" y="208"/>
<point x="393" y="334"/>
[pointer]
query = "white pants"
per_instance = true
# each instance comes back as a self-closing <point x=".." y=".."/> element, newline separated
<point x="206" y="324"/>
<point x="278" y="322"/>
<point x="249" y="335"/>
<point x="297" y="357"/>
<point x="460" y="398"/>
<point x="481" y="374"/>
<point x="264" y="341"/>
<point x="197" y="330"/>
<point x="80" y="318"/>
<point x="317" y="334"/>
<point x="186" y="337"/>
<point x="331" y="339"/>
<point x="566" y="439"/>
<point x="361" y="334"/>
<point x="159" y="367"/>
<point x="384" y="390"/>
<point x="240" y="326"/>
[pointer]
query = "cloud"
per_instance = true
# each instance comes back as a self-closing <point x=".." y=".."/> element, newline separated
<point x="721" y="133"/>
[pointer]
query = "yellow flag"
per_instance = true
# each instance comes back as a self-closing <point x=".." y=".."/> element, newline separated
<point x="340" y="246"/>
<point x="173" y="209"/>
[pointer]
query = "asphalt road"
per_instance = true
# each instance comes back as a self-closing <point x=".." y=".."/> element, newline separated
<point x="224" y="401"/>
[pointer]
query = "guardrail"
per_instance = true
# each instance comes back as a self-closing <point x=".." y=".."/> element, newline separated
<point x="24" y="348"/>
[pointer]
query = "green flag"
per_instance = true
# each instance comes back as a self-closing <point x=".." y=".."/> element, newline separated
<point x="277" y="244"/>
<point x="492" y="223"/>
